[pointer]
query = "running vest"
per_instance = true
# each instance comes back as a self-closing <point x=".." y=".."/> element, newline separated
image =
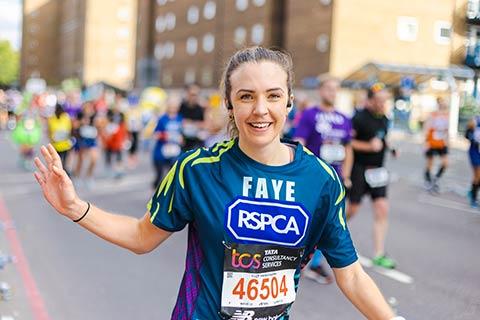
<point x="251" y="227"/>
<point x="60" y="132"/>
<point x="437" y="131"/>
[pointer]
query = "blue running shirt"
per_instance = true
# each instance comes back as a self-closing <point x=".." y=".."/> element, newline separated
<point x="251" y="227"/>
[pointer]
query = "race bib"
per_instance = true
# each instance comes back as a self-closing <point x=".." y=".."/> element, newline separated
<point x="258" y="281"/>
<point x="61" y="135"/>
<point x="171" y="150"/>
<point x="88" y="132"/>
<point x="332" y="153"/>
<point x="190" y="130"/>
<point x="377" y="177"/>
<point x="439" y="135"/>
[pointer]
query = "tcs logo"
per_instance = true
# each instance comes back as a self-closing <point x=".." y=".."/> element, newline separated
<point x="266" y="221"/>
<point x="246" y="260"/>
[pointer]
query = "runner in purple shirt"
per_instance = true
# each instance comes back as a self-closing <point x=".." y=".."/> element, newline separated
<point x="327" y="133"/>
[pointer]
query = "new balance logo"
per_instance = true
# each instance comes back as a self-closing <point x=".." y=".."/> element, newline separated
<point x="245" y="315"/>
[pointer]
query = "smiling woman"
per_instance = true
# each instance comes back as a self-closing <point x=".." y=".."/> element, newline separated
<point x="256" y="208"/>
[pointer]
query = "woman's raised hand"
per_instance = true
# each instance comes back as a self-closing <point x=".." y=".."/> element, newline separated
<point x="56" y="185"/>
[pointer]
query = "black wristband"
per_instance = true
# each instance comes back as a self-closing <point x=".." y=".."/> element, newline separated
<point x="83" y="216"/>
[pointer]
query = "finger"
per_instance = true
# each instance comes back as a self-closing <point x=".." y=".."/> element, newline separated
<point x="40" y="166"/>
<point x="39" y="178"/>
<point x="60" y="173"/>
<point x="46" y="156"/>
<point x="54" y="154"/>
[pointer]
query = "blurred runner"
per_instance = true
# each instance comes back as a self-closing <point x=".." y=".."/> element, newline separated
<point x="114" y="135"/>
<point x="168" y="136"/>
<point x="134" y="126"/>
<point x="27" y="135"/>
<point x="370" y="128"/>
<point x="193" y="116"/>
<point x="436" y="129"/>
<point x="87" y="143"/>
<point x="473" y="135"/>
<point x="327" y="133"/>
<point x="59" y="132"/>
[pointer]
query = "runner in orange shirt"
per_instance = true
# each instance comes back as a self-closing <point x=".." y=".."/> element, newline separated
<point x="436" y="129"/>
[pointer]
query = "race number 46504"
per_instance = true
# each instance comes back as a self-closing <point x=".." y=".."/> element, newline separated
<point x="259" y="290"/>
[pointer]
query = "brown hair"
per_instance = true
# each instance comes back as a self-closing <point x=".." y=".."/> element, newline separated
<point x="324" y="78"/>
<point x="253" y="55"/>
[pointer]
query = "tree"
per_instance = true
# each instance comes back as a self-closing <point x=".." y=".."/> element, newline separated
<point x="8" y="63"/>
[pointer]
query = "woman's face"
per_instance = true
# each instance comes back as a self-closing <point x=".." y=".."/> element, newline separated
<point x="259" y="97"/>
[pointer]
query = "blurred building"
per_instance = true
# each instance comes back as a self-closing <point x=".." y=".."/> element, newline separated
<point x="189" y="41"/>
<point x="90" y="40"/>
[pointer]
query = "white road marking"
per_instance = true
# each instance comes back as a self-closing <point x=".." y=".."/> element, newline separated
<point x="445" y="203"/>
<point x="390" y="273"/>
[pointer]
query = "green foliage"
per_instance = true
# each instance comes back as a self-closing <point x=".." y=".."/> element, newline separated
<point x="9" y="63"/>
<point x="469" y="107"/>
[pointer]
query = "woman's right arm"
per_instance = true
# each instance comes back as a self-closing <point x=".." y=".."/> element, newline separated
<point x="137" y="235"/>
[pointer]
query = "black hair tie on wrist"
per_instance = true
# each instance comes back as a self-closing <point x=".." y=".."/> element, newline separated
<point x="83" y="216"/>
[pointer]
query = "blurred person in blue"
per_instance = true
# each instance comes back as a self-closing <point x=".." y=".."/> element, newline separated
<point x="473" y="135"/>
<point x="87" y="135"/>
<point x="368" y="175"/>
<point x="168" y="139"/>
<point x="328" y="134"/>
<point x="255" y="207"/>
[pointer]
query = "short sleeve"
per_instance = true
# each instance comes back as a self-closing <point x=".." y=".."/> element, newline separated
<point x="169" y="209"/>
<point x="335" y="241"/>
<point x="348" y="129"/>
<point x="305" y="126"/>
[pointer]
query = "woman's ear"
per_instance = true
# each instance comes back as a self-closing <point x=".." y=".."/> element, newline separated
<point x="290" y="103"/>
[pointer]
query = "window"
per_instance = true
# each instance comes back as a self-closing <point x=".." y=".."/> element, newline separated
<point x="443" y="30"/>
<point x="208" y="42"/>
<point x="407" y="28"/>
<point x="123" y="33"/>
<point x="257" y="34"/>
<point x="189" y="76"/>
<point x="169" y="49"/>
<point x="160" y="24"/>
<point x="193" y="14"/>
<point x="209" y="10"/>
<point x="239" y="36"/>
<point x="162" y="2"/>
<point x="241" y="5"/>
<point x="122" y="71"/>
<point x="158" y="52"/>
<point x="123" y="14"/>
<point x="322" y="43"/>
<point x="259" y="3"/>
<point x="326" y="2"/>
<point x="207" y="76"/>
<point x="192" y="45"/>
<point x="170" y="21"/>
<point x="167" y="78"/>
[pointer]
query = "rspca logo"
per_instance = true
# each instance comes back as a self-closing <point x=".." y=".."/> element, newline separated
<point x="266" y="221"/>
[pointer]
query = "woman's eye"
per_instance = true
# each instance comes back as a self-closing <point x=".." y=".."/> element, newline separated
<point x="274" y="96"/>
<point x="246" y="97"/>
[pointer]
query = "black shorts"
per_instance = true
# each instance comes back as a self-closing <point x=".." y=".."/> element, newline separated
<point x="110" y="154"/>
<point x="436" y="152"/>
<point x="134" y="146"/>
<point x="360" y="186"/>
